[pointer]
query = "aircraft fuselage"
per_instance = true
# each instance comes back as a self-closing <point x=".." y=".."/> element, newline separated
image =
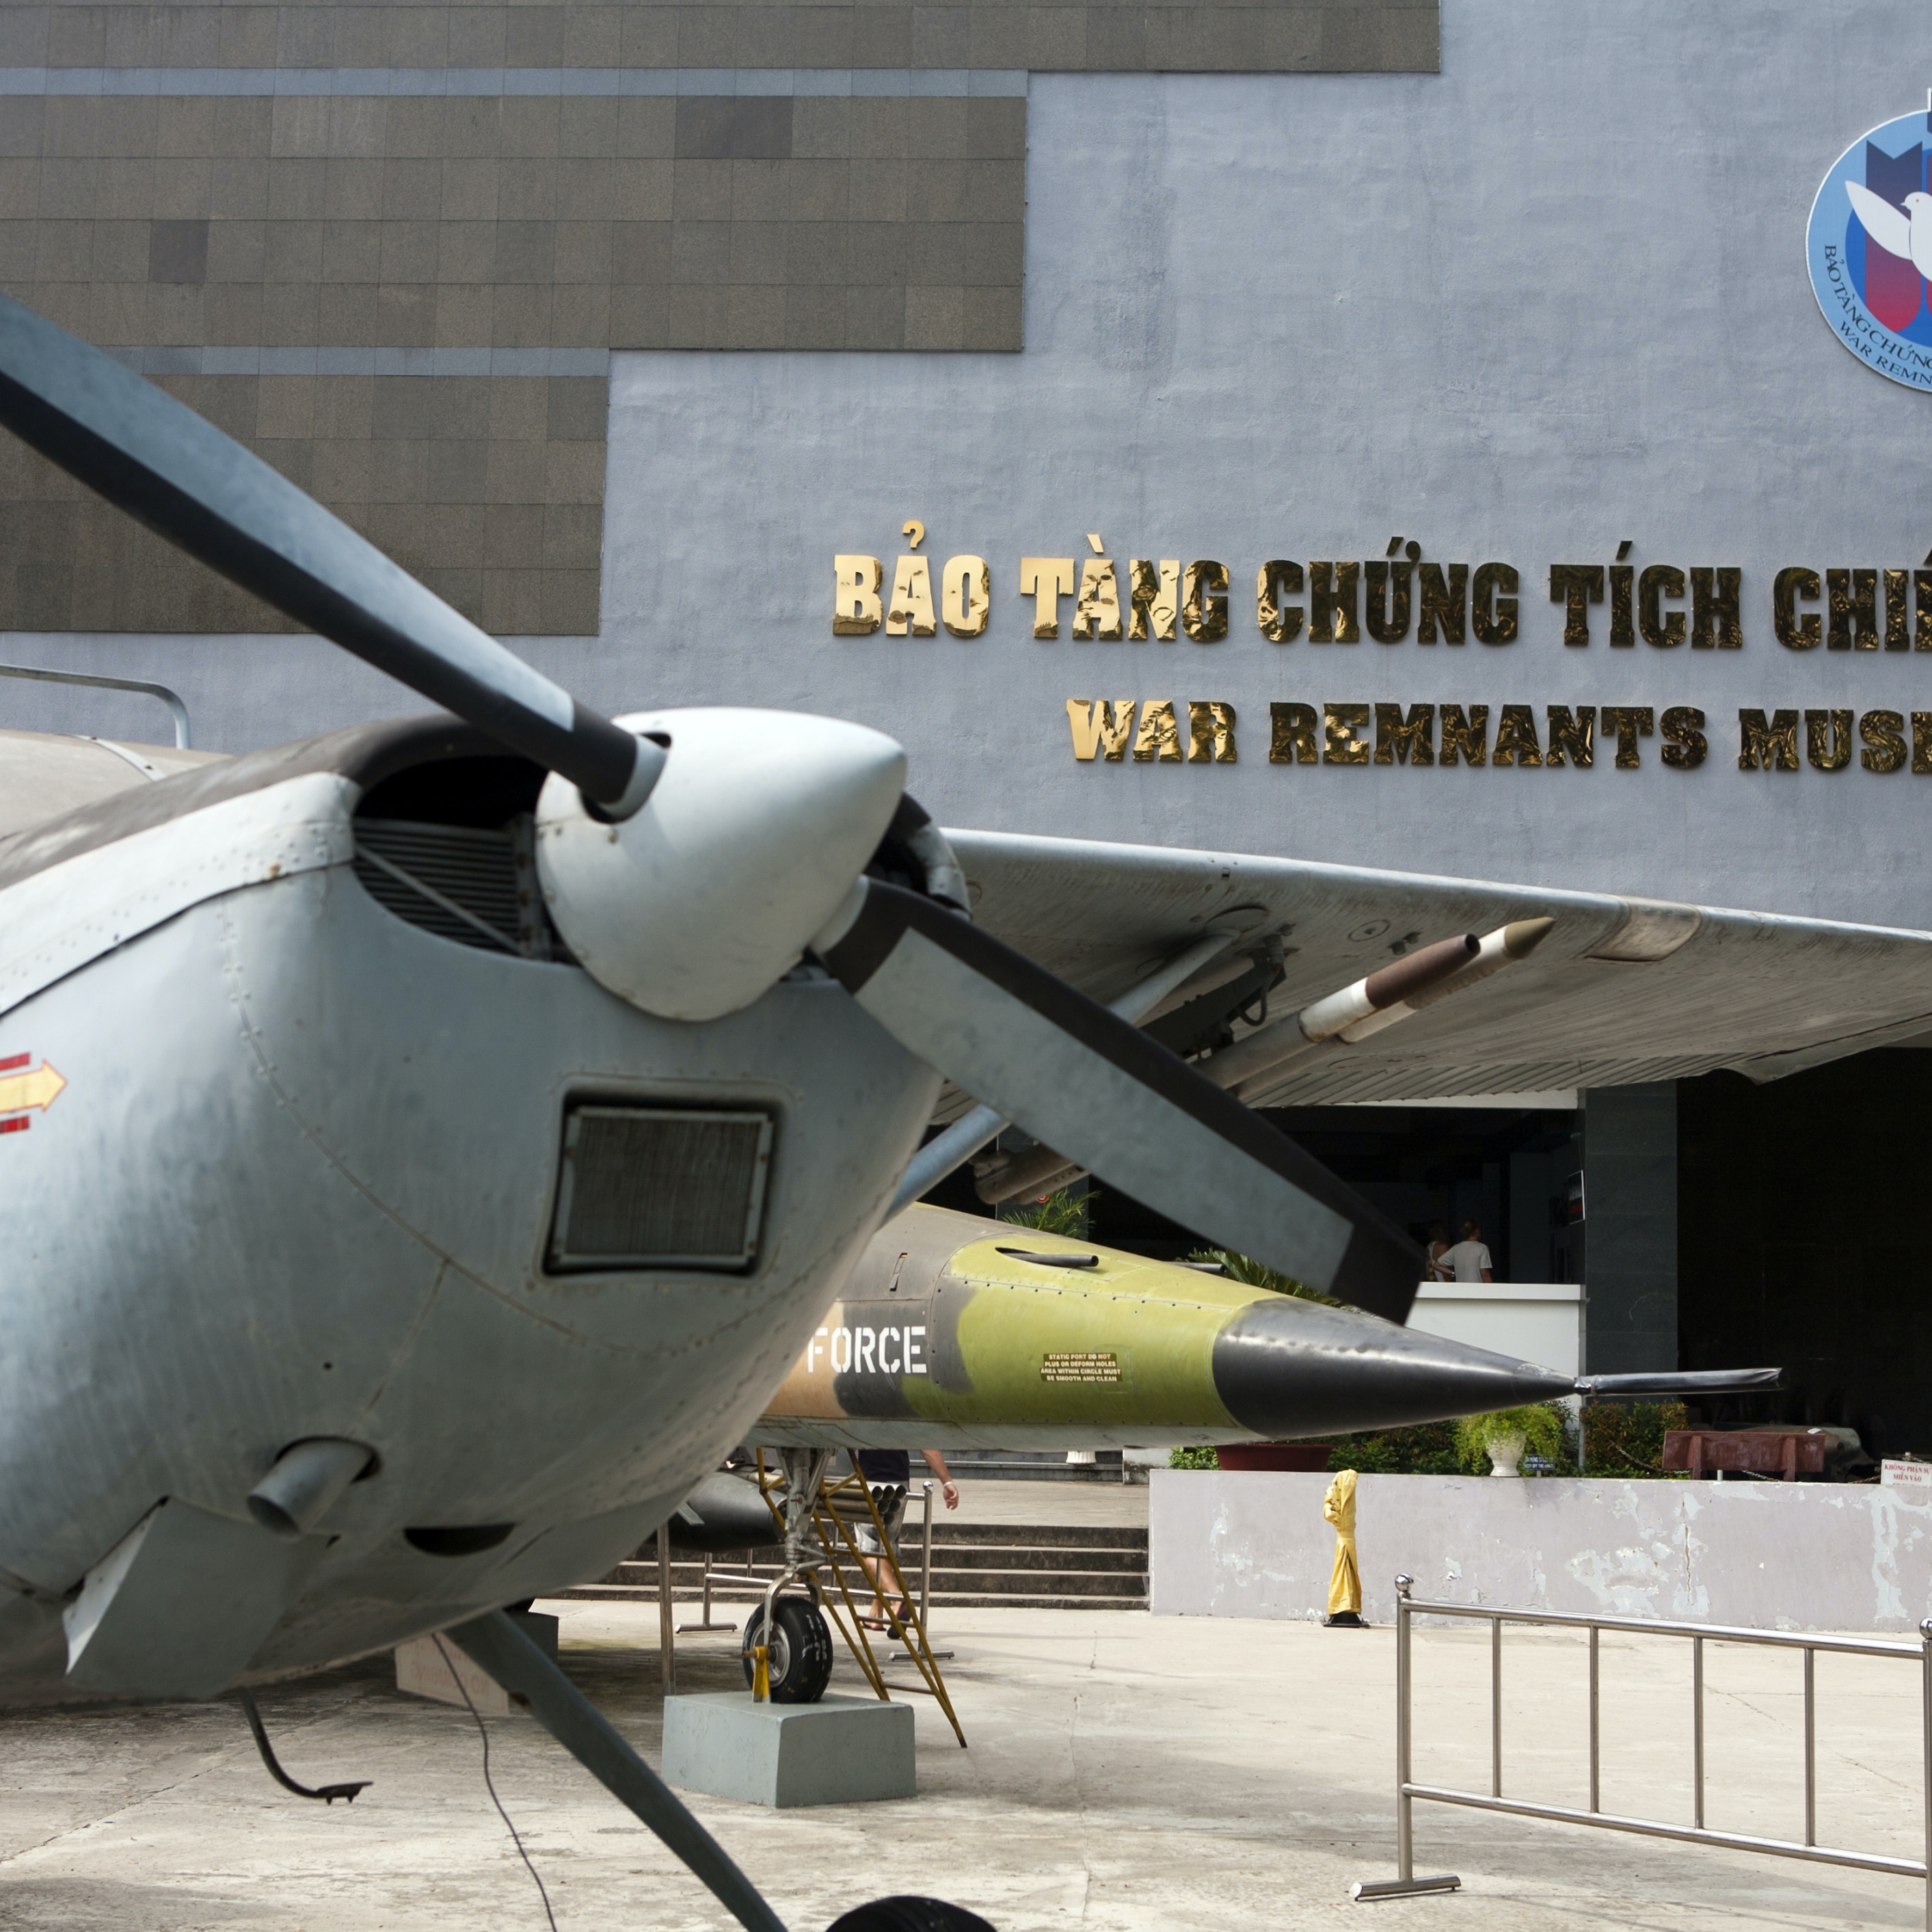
<point x="304" y="1176"/>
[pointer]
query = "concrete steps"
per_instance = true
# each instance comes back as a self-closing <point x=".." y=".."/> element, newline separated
<point x="1016" y="1566"/>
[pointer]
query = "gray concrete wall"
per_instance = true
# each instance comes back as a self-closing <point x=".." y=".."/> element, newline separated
<point x="1550" y="299"/>
<point x="1795" y="1556"/>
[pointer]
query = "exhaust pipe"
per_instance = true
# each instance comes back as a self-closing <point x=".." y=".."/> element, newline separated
<point x="303" y="1486"/>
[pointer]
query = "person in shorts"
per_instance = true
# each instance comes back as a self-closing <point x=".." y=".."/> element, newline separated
<point x="888" y="1474"/>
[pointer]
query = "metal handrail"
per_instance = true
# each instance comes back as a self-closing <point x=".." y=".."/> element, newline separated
<point x="177" y="709"/>
<point x="1406" y="1884"/>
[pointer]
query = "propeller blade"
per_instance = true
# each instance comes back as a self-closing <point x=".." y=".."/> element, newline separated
<point x="1088" y="1083"/>
<point x="177" y="473"/>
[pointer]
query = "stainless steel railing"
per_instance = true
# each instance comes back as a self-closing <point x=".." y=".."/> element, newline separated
<point x="924" y="1492"/>
<point x="177" y="710"/>
<point x="1408" y="1792"/>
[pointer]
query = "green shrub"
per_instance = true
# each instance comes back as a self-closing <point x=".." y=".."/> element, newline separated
<point x="1626" y="1438"/>
<point x="1062" y="1212"/>
<point x="1194" y="1458"/>
<point x="1429" y="1449"/>
<point x="1541" y="1425"/>
<point x="1620" y="1439"/>
<point x="1257" y="1274"/>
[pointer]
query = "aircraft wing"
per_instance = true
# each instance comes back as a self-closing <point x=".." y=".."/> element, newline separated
<point x="1622" y="990"/>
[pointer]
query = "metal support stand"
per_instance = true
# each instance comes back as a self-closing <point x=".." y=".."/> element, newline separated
<point x="707" y="1624"/>
<point x="666" y="1623"/>
<point x="822" y="1516"/>
<point x="497" y="1646"/>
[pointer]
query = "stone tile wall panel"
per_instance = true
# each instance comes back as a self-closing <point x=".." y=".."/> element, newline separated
<point x="523" y="218"/>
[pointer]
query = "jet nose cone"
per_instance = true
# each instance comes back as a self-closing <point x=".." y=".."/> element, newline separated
<point x="1287" y="1367"/>
<point x="696" y="903"/>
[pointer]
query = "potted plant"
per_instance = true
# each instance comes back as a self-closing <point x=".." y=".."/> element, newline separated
<point x="1502" y="1435"/>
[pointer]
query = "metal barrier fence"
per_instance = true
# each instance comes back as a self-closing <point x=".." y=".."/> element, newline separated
<point x="1407" y="1884"/>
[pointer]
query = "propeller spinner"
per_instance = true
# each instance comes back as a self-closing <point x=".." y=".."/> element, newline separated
<point x="690" y="857"/>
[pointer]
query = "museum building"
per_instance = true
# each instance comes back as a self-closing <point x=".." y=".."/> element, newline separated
<point x="1469" y="440"/>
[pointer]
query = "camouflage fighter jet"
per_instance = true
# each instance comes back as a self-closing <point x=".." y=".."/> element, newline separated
<point x="957" y="1333"/>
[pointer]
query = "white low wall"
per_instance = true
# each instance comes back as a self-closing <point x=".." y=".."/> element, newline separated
<point x="1772" y="1556"/>
<point x="1531" y="1322"/>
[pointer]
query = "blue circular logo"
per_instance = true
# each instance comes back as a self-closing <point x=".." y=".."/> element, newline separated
<point x="1869" y="245"/>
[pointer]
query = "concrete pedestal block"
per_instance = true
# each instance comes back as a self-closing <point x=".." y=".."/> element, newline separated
<point x="841" y="1750"/>
<point x="422" y="1669"/>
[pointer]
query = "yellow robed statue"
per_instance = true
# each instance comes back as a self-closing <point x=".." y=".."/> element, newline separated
<point x="1345" y="1581"/>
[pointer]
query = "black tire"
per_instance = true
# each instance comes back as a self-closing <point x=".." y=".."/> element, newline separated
<point x="800" y="1663"/>
<point x="907" y="1913"/>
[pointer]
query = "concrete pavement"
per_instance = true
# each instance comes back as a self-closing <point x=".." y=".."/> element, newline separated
<point x="1125" y="1772"/>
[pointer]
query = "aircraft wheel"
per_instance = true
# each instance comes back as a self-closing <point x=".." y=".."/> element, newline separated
<point x="800" y="1661"/>
<point x="907" y="1913"/>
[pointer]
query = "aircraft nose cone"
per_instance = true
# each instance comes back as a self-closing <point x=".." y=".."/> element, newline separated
<point x="1287" y="1367"/>
<point x="696" y="903"/>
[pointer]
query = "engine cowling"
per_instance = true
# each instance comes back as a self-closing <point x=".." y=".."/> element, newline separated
<point x="761" y="821"/>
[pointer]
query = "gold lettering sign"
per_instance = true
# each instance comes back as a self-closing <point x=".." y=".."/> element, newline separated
<point x="1666" y="631"/>
<point x="1096" y="610"/>
<point x="1100" y="724"/>
<point x="1210" y="733"/>
<point x="1717" y="617"/>
<point x="1331" y="605"/>
<point x="1204" y="602"/>
<point x="1630" y="722"/>
<point x="910" y="612"/>
<point x="1851" y="596"/>
<point x="1291" y="735"/>
<point x="855" y="597"/>
<point x="1154" y="598"/>
<point x="1396" y="597"/>
<point x="1385" y="600"/>
<point x="1442" y="601"/>
<point x="1046" y="580"/>
<point x="1402" y="740"/>
<point x="1443" y="736"/>
<point x="1687" y="748"/>
<point x="1276" y="580"/>
<point x="1768" y="744"/>
<point x="1466" y="736"/>
<point x="966" y="595"/>
<point x="1340" y="724"/>
<point x="1157" y="739"/>
<point x="1794" y="632"/>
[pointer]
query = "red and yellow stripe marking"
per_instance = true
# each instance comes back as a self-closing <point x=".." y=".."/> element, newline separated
<point x="22" y="1092"/>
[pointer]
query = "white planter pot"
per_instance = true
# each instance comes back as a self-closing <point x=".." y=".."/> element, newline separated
<point x="1504" y="1453"/>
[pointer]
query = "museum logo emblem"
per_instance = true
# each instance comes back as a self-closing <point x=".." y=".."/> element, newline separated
<point x="1869" y="247"/>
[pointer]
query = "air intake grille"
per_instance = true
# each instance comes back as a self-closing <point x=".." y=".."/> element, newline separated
<point x="660" y="1187"/>
<point x="476" y="887"/>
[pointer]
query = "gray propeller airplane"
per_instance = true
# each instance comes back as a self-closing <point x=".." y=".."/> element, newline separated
<point x="428" y="1145"/>
<point x="363" y="1282"/>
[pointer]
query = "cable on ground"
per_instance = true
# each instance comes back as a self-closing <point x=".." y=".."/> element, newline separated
<point x="489" y="1784"/>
